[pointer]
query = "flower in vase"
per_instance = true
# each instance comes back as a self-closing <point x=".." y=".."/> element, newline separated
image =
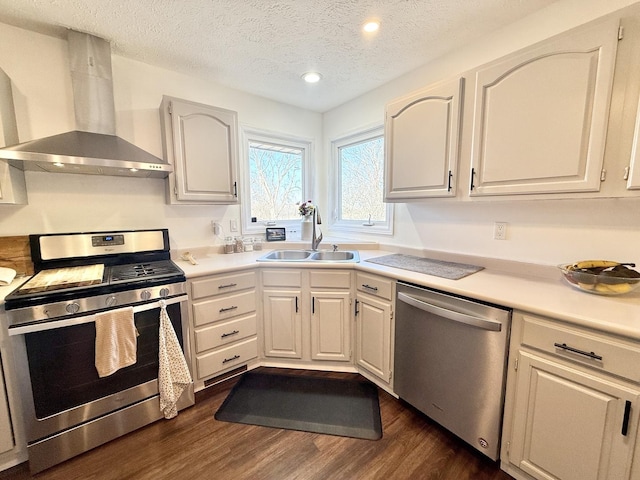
<point x="305" y="208"/>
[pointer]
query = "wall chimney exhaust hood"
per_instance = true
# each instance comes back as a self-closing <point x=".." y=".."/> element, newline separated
<point x="93" y="148"/>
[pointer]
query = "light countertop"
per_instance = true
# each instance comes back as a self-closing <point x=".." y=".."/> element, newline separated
<point x="544" y="293"/>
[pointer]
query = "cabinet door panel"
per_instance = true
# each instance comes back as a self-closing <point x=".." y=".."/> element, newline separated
<point x="541" y="115"/>
<point x="373" y="337"/>
<point x="282" y="324"/>
<point x="568" y="424"/>
<point x="330" y="326"/>
<point x="421" y="142"/>
<point x="201" y="142"/>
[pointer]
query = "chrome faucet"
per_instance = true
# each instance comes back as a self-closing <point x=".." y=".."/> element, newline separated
<point x="315" y="241"/>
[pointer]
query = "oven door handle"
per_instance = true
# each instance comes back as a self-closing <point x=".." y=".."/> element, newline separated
<point x="471" y="320"/>
<point x="66" y="322"/>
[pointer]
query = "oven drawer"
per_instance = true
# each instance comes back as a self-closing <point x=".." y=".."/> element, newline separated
<point x="602" y="352"/>
<point x="221" y="284"/>
<point x="223" y="333"/>
<point x="224" y="307"/>
<point x="375" y="285"/>
<point x="227" y="357"/>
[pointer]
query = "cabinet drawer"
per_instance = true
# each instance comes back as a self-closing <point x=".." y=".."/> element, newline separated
<point x="374" y="285"/>
<point x="330" y="279"/>
<point x="223" y="333"/>
<point x="282" y="278"/>
<point x="618" y="357"/>
<point x="228" y="357"/>
<point x="222" y="284"/>
<point x="221" y="308"/>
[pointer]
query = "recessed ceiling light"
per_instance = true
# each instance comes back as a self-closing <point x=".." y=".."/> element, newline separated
<point x="311" y="77"/>
<point x="371" y="26"/>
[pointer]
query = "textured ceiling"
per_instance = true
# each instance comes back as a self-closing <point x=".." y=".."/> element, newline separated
<point x="264" y="46"/>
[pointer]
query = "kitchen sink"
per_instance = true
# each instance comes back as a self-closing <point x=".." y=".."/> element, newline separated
<point x="287" y="255"/>
<point x="347" y="256"/>
<point x="337" y="256"/>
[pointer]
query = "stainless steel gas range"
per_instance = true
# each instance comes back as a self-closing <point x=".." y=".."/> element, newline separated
<point x="69" y="408"/>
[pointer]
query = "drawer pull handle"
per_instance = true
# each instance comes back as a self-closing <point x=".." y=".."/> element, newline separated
<point x="564" y="346"/>
<point x="375" y="289"/>
<point x="228" y="285"/>
<point x="227" y="360"/>
<point x="228" y="309"/>
<point x="625" y="419"/>
<point x="225" y="335"/>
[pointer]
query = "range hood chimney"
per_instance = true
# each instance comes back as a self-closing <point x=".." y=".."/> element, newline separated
<point x="93" y="148"/>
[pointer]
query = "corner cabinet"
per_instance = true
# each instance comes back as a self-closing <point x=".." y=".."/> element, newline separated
<point x="374" y="327"/>
<point x="201" y="143"/>
<point x="540" y="116"/>
<point x="422" y="143"/>
<point x="573" y="405"/>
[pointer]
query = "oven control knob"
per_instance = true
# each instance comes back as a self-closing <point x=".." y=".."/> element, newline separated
<point x="145" y="295"/>
<point x="111" y="301"/>
<point x="72" y="307"/>
<point x="164" y="292"/>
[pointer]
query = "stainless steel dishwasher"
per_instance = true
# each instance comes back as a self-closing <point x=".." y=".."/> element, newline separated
<point x="450" y="362"/>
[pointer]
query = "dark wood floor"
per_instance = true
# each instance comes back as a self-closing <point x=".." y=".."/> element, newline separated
<point x="195" y="445"/>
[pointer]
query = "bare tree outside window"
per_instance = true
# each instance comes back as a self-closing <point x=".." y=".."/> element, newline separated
<point x="362" y="180"/>
<point x="276" y="181"/>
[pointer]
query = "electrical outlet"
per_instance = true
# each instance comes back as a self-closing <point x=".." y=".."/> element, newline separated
<point x="233" y="225"/>
<point x="500" y="231"/>
<point x="217" y="227"/>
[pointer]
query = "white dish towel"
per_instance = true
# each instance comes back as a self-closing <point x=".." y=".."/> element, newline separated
<point x="116" y="340"/>
<point x="173" y="373"/>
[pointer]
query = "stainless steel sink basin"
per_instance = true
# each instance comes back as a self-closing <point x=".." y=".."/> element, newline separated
<point x="287" y="255"/>
<point x="346" y="256"/>
<point x="337" y="256"/>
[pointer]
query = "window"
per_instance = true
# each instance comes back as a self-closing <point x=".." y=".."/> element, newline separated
<point x="358" y="163"/>
<point x="275" y="171"/>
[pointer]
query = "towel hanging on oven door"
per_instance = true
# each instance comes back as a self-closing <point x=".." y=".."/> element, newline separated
<point x="116" y="342"/>
<point x="173" y="371"/>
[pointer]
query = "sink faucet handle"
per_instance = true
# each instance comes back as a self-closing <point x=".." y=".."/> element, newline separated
<point x="335" y="247"/>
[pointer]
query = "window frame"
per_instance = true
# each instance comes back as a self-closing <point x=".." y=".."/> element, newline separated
<point x="354" y="226"/>
<point x="249" y="135"/>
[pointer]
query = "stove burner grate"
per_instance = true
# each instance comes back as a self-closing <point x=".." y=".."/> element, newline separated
<point x="126" y="273"/>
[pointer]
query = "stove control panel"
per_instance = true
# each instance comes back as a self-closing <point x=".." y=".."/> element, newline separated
<point x="106" y="240"/>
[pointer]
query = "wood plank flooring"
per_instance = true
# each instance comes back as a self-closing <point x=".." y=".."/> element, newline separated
<point x="196" y="446"/>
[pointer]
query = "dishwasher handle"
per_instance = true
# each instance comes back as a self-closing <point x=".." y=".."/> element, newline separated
<point x="483" y="323"/>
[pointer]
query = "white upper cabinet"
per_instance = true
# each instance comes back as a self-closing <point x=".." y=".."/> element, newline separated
<point x="540" y="116"/>
<point x="421" y="143"/>
<point x="201" y="142"/>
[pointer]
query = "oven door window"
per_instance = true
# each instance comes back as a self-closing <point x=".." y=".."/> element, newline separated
<point x="62" y="363"/>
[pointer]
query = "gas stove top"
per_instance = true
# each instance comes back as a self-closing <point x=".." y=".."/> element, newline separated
<point x="84" y="273"/>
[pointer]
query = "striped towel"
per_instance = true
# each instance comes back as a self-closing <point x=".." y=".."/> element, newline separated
<point x="173" y="372"/>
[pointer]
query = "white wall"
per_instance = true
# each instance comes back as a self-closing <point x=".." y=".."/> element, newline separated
<point x="543" y="231"/>
<point x="38" y="67"/>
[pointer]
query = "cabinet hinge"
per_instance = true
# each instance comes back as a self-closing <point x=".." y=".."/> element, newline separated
<point x="603" y="175"/>
<point x="390" y="375"/>
<point x="170" y="108"/>
<point x="175" y="188"/>
<point x="515" y="364"/>
<point x="620" y="32"/>
<point x="508" y="448"/>
<point x="626" y="173"/>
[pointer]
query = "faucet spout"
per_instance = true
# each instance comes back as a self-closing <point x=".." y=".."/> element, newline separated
<point x="315" y="240"/>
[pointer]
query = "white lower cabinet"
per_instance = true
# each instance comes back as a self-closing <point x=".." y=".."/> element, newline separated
<point x="571" y="415"/>
<point x="374" y="326"/>
<point x="307" y="314"/>
<point x="6" y="430"/>
<point x="223" y="323"/>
